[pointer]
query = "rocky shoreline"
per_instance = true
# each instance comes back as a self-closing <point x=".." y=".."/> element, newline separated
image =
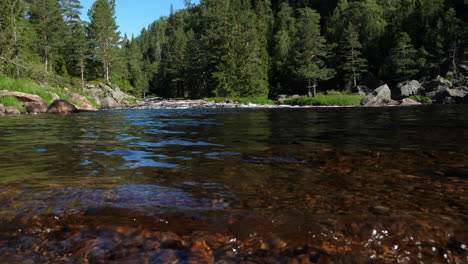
<point x="104" y="97"/>
<point x="437" y="91"/>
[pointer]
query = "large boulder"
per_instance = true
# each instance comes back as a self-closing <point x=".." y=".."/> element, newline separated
<point x="109" y="102"/>
<point x="36" y="107"/>
<point x="378" y="97"/>
<point x="431" y="88"/>
<point x="83" y="103"/>
<point x="102" y="92"/>
<point x="451" y="96"/>
<point x="24" y="97"/>
<point x="61" y="107"/>
<point x="405" y="89"/>
<point x="11" y="110"/>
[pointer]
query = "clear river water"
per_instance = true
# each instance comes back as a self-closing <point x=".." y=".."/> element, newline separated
<point x="314" y="185"/>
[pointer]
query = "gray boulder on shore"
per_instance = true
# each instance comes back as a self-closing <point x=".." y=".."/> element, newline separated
<point x="405" y="89"/>
<point x="451" y="96"/>
<point x="431" y="88"/>
<point x="106" y="95"/>
<point x="379" y="97"/>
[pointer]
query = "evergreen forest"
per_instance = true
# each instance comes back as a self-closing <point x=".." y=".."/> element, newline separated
<point x="237" y="48"/>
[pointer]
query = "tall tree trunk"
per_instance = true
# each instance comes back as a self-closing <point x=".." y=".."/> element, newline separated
<point x="454" y="63"/>
<point x="107" y="72"/>
<point x="314" y="90"/>
<point x="15" y="38"/>
<point x="82" y="74"/>
<point x="309" y="93"/>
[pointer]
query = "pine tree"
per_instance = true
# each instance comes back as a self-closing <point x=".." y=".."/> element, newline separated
<point x="71" y="11"/>
<point x="6" y="32"/>
<point x="403" y="57"/>
<point x="352" y="63"/>
<point x="79" y="50"/>
<point x="311" y="50"/>
<point x="76" y="48"/>
<point x="46" y="18"/>
<point x="175" y="61"/>
<point x="453" y="38"/>
<point x="138" y="78"/>
<point x="103" y="33"/>
<point x="283" y="46"/>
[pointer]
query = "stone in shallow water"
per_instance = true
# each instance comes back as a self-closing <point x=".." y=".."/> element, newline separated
<point x="61" y="107"/>
<point x="11" y="110"/>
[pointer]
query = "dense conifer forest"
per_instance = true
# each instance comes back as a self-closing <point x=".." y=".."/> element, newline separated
<point x="237" y="47"/>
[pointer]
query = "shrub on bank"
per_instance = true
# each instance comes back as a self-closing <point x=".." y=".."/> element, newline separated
<point x="339" y="99"/>
<point x="421" y="99"/>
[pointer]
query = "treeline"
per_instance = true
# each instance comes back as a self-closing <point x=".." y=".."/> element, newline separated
<point x="49" y="37"/>
<point x="259" y="47"/>
<point x="239" y="48"/>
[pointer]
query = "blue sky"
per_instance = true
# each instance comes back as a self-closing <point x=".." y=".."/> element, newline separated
<point x="133" y="15"/>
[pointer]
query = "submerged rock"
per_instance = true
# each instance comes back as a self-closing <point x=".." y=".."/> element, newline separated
<point x="378" y="97"/>
<point x="408" y="101"/>
<point x="36" y="107"/>
<point x="405" y="89"/>
<point x="62" y="107"/>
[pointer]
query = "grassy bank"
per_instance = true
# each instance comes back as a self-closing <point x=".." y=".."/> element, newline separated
<point x="25" y="86"/>
<point x="12" y="101"/>
<point x="340" y="99"/>
<point x="245" y="100"/>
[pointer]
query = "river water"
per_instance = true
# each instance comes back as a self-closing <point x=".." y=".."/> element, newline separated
<point x="316" y="185"/>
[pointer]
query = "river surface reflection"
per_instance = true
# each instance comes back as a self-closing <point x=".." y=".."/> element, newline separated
<point x="317" y="185"/>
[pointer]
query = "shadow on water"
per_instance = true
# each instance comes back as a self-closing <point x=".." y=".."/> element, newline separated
<point x="343" y="185"/>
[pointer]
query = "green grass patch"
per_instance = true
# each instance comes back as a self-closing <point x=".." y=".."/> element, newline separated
<point x="12" y="101"/>
<point x="93" y="102"/>
<point x="243" y="100"/>
<point x="130" y="100"/>
<point x="24" y="86"/>
<point x="18" y="85"/>
<point x="326" y="100"/>
<point x="421" y="99"/>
